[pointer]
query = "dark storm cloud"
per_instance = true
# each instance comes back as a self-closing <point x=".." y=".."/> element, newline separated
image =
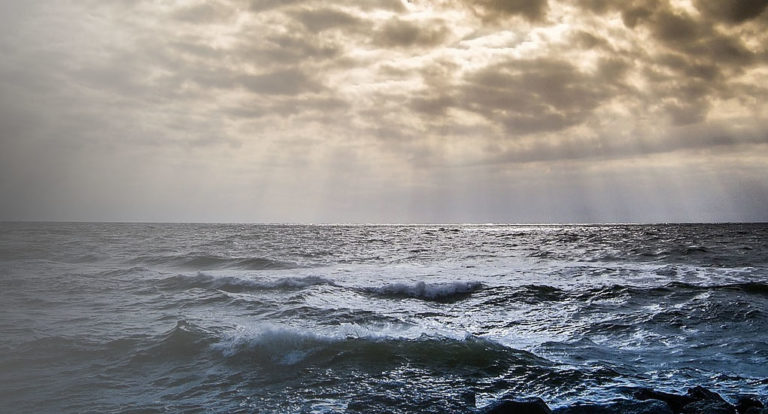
<point x="678" y="63"/>
<point x="391" y="5"/>
<point x="265" y="5"/>
<point x="630" y="10"/>
<point x="522" y="96"/>
<point x="732" y="11"/>
<point x="713" y="138"/>
<point x="672" y="28"/>
<point x="597" y="6"/>
<point x="586" y="40"/>
<point x="682" y="32"/>
<point x="671" y="25"/>
<point x="529" y="96"/>
<point x="685" y="113"/>
<point x="401" y="33"/>
<point x="698" y="39"/>
<point x="613" y="70"/>
<point x="632" y="16"/>
<point x="288" y="49"/>
<point x="432" y="105"/>
<point x="534" y="10"/>
<point x="691" y="59"/>
<point x="317" y="20"/>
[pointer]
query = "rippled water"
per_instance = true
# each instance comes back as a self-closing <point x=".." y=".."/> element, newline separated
<point x="171" y="317"/>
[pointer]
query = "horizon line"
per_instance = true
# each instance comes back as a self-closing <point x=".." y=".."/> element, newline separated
<point x="256" y="223"/>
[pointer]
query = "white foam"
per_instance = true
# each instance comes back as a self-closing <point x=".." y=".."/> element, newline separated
<point x="289" y="344"/>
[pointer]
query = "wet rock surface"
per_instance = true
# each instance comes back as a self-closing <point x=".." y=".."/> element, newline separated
<point x="749" y="404"/>
<point x="697" y="400"/>
<point x="517" y="406"/>
<point x="619" y="406"/>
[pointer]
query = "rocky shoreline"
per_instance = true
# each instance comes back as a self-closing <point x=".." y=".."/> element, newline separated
<point x="698" y="400"/>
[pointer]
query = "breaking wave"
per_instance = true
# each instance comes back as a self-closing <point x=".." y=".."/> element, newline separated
<point x="294" y="347"/>
<point x="442" y="292"/>
<point x="235" y="284"/>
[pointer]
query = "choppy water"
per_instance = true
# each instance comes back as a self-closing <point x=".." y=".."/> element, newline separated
<point x="155" y="317"/>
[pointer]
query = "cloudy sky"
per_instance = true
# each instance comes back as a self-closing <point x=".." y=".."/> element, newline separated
<point x="384" y="110"/>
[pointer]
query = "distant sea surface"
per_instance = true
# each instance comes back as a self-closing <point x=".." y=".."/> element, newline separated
<point x="423" y="318"/>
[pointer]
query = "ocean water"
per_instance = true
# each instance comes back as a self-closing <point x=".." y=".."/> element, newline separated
<point x="428" y="318"/>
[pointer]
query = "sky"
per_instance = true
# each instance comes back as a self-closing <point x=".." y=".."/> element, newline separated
<point x="384" y="111"/>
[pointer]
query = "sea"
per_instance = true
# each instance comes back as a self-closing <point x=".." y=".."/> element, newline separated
<point x="155" y="318"/>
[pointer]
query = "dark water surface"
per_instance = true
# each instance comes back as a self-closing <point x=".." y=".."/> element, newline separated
<point x="173" y="317"/>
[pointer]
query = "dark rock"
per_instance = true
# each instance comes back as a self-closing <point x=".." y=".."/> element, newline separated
<point x="618" y="407"/>
<point x="517" y="406"/>
<point x="696" y="400"/>
<point x="746" y="402"/>
<point x="709" y="407"/>
<point x="675" y="401"/>
<point x="469" y="398"/>
<point x="703" y="394"/>
<point x="755" y="410"/>
<point x="706" y="402"/>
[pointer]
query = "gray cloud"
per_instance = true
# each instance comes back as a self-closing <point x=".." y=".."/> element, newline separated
<point x="732" y="11"/>
<point x="534" y="10"/>
<point x="285" y="82"/>
<point x="688" y="138"/>
<point x="369" y="5"/>
<point x="632" y="16"/>
<point x="586" y="40"/>
<point x="317" y="20"/>
<point x="705" y="71"/>
<point x="284" y="49"/>
<point x="432" y="105"/>
<point x="208" y="12"/>
<point x="401" y="33"/>
<point x="265" y="5"/>
<point x="533" y="96"/>
<point x="698" y="39"/>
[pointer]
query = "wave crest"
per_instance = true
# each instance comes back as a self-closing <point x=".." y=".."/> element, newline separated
<point x="441" y="292"/>
<point x="185" y="340"/>
<point x="235" y="284"/>
<point x="292" y="347"/>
